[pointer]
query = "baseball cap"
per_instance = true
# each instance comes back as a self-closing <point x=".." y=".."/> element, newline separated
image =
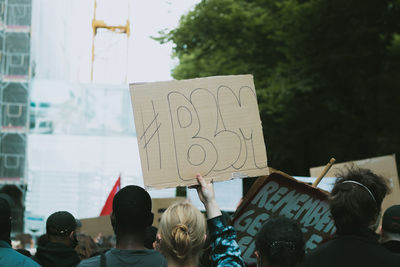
<point x="391" y="219"/>
<point x="60" y="223"/>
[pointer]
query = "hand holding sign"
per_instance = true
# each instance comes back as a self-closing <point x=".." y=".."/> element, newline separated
<point x="207" y="196"/>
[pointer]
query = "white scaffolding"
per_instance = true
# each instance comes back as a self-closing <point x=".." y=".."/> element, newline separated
<point x="15" y="21"/>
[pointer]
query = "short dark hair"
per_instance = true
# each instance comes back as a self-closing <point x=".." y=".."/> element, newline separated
<point x="132" y="210"/>
<point x="280" y="242"/>
<point x="5" y="218"/>
<point x="356" y="198"/>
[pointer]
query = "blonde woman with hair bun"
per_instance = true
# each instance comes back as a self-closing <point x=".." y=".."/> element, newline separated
<point x="182" y="232"/>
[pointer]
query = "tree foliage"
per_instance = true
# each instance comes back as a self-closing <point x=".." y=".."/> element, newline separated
<point x="326" y="72"/>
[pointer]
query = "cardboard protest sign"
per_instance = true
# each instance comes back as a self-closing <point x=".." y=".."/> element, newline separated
<point x="96" y="225"/>
<point x="281" y="195"/>
<point x="326" y="183"/>
<point x="159" y="205"/>
<point x="385" y="166"/>
<point x="208" y="125"/>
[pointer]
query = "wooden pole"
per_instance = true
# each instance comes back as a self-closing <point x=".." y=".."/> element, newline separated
<point x="325" y="170"/>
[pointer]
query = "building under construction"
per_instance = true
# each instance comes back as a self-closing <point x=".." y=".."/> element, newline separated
<point x="15" y="29"/>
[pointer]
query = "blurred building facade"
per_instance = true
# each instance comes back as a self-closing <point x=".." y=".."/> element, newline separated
<point x="15" y="36"/>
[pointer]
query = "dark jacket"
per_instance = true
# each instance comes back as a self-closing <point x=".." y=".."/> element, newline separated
<point x="393" y="246"/>
<point x="56" y="255"/>
<point x="358" y="248"/>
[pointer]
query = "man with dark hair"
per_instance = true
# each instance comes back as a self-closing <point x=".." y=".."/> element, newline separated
<point x="8" y="256"/>
<point x="60" y="249"/>
<point x="130" y="217"/>
<point x="355" y="204"/>
<point x="390" y="232"/>
<point x="279" y="243"/>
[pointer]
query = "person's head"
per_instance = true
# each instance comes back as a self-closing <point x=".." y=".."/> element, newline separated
<point x="356" y="199"/>
<point x="131" y="211"/>
<point x="60" y="228"/>
<point x="86" y="247"/>
<point x="391" y="224"/>
<point x="182" y="233"/>
<point x="279" y="243"/>
<point x="5" y="218"/>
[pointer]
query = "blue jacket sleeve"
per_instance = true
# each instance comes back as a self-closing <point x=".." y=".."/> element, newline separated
<point x="225" y="251"/>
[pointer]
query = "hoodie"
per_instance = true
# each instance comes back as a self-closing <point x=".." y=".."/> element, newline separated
<point x="56" y="255"/>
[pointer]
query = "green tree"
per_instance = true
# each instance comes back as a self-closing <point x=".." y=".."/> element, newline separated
<point x="326" y="72"/>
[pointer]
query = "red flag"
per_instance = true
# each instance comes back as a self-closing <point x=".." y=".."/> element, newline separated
<point x="107" y="209"/>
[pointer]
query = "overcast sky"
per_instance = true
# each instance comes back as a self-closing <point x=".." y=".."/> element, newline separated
<point x="62" y="40"/>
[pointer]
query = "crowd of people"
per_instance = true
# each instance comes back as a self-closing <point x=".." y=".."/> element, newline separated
<point x="186" y="238"/>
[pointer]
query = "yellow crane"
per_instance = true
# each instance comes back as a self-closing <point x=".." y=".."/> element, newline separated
<point x="100" y="24"/>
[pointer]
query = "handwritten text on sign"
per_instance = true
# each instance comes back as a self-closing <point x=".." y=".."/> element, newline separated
<point x="281" y="195"/>
<point x="207" y="125"/>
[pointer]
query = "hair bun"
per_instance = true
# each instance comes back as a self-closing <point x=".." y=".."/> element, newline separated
<point x="182" y="242"/>
<point x="180" y="228"/>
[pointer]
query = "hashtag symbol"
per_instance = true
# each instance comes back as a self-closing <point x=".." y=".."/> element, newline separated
<point x="147" y="130"/>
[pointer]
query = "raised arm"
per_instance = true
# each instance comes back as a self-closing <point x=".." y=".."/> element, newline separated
<point x="225" y="251"/>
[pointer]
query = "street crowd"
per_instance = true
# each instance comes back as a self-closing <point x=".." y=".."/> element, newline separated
<point x="364" y="236"/>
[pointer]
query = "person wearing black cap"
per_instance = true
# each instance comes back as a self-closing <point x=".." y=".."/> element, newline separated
<point x="355" y="204"/>
<point x="279" y="243"/>
<point x="130" y="217"/>
<point x="8" y="256"/>
<point x="390" y="232"/>
<point x="59" y="250"/>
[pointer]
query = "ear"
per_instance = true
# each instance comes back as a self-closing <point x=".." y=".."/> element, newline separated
<point x="205" y="237"/>
<point x="156" y="244"/>
<point x="73" y="238"/>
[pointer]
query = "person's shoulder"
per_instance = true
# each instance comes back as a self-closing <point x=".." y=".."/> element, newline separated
<point x="318" y="254"/>
<point x="138" y="257"/>
<point x="93" y="261"/>
<point x="29" y="262"/>
<point x="14" y="258"/>
<point x="352" y="252"/>
<point x="154" y="257"/>
<point x="24" y="260"/>
<point x="388" y="255"/>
